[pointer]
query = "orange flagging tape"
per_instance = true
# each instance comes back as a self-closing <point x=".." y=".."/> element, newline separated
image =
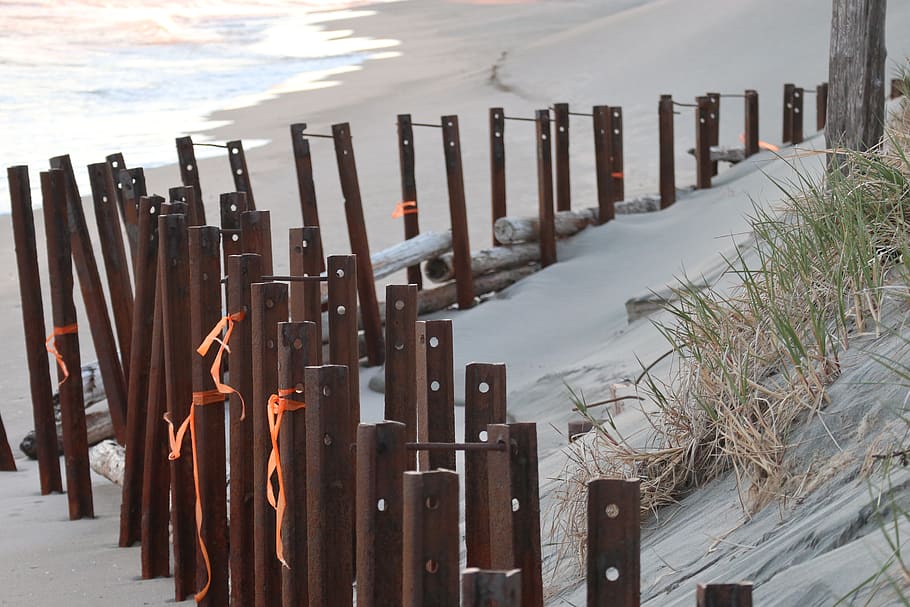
<point x="404" y="208"/>
<point x="200" y="399"/>
<point x="213" y="336"/>
<point x="761" y="144"/>
<point x="278" y="406"/>
<point x="616" y="175"/>
<point x="51" y="346"/>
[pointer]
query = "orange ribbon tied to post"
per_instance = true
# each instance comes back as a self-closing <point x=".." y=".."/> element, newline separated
<point x="278" y="406"/>
<point x="214" y="335"/>
<point x="404" y="208"/>
<point x="51" y="346"/>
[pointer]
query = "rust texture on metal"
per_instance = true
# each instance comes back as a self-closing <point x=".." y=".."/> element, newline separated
<point x="72" y="407"/>
<point x="297" y="348"/>
<point x="39" y="377"/>
<point x="714" y="124"/>
<point x="603" y="153"/>
<point x="461" y="246"/>
<point x="117" y="164"/>
<point x="329" y="460"/>
<point x="205" y="312"/>
<point x="381" y="459"/>
<point x="497" y="165"/>
<point x="93" y="298"/>
<point x="485" y="403"/>
<point x="146" y="270"/>
<point x="666" y="155"/>
<point x="7" y="461"/>
<point x="401" y="359"/>
<point x="243" y="271"/>
<point x="750" y="129"/>
<point x="897" y="88"/>
<point x="614" y="542"/>
<point x="482" y="588"/>
<point x="173" y="260"/>
<point x="360" y="246"/>
<point x="724" y="595"/>
<point x="440" y="391"/>
<point x="256" y="236"/>
<point x="617" y="161"/>
<point x="515" y="506"/>
<point x="240" y="172"/>
<point x="131" y="186"/>
<point x="420" y="339"/>
<point x="545" y="212"/>
<point x="189" y="170"/>
<point x="702" y="143"/>
<point x="408" y="190"/>
<point x="799" y="96"/>
<point x="821" y="106"/>
<point x="303" y="162"/>
<point x="231" y="205"/>
<point x="563" y="178"/>
<point x="430" y="539"/>
<point x="195" y="211"/>
<point x="343" y="341"/>
<point x="307" y="260"/>
<point x="787" y="130"/>
<point x="269" y="307"/>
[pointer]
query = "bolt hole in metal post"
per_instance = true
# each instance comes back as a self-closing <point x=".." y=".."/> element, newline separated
<point x="482" y="436"/>
<point x="612" y="510"/>
<point x="339" y="273"/>
<point x="341" y="310"/>
<point x="434" y="386"/>
<point x="434" y="342"/>
<point x="432" y="502"/>
<point x="432" y="566"/>
<point x="516" y="505"/>
<point x="381" y="505"/>
<point x="483" y="388"/>
<point x="612" y="574"/>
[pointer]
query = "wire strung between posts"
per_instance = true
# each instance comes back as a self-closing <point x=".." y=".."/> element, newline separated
<point x="581" y="114"/>
<point x="209" y="145"/>
<point x="295" y="278"/>
<point x="679" y="104"/>
<point x="723" y="95"/>
<point x="318" y="136"/>
<point x="521" y="119"/>
<point x="427" y="125"/>
<point x="498" y="446"/>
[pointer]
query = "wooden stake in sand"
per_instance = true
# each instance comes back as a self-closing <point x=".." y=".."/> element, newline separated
<point x="614" y="542"/>
<point x="303" y="161"/>
<point x="401" y="360"/>
<point x="563" y="182"/>
<point x="408" y="205"/>
<point x="545" y="211"/>
<point x="189" y="170"/>
<point x="461" y="246"/>
<point x="240" y="172"/>
<point x="666" y="153"/>
<point x="603" y="159"/>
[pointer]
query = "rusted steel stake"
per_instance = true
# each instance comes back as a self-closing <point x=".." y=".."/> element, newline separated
<point x="821" y="106"/>
<point x="797" y="128"/>
<point x="545" y="211"/>
<point x="205" y="312"/>
<point x="714" y="123"/>
<point x="381" y="461"/>
<point x="72" y="406"/>
<point x="243" y="271"/>
<point x="360" y="246"/>
<point x="269" y="307"/>
<point x="724" y="595"/>
<point x="787" y="131"/>
<point x="240" y="172"/>
<point x="409" y="190"/>
<point x="619" y="179"/>
<point x="461" y="246"/>
<point x="603" y="152"/>
<point x="702" y="143"/>
<point x="420" y="339"/>
<point x="189" y="170"/>
<point x="7" y="461"/>
<point x="343" y="343"/>
<point x="303" y="161"/>
<point x="440" y="391"/>
<point x="481" y="588"/>
<point x="401" y="359"/>
<point x="231" y="205"/>
<point x="93" y="298"/>
<point x="666" y="154"/>
<point x="751" y="122"/>
<point x="35" y="333"/>
<point x="563" y="182"/>
<point x="116" y="265"/>
<point x="131" y="185"/>
<point x="256" y="236"/>
<point x="297" y="349"/>
<point x="173" y="259"/>
<point x="897" y="88"/>
<point x="307" y="260"/>
<point x="330" y="486"/>
<point x="195" y="214"/>
<point x="485" y="403"/>
<point x="430" y="539"/>
<point x="117" y="164"/>
<point x="515" y="506"/>
<point x="614" y="543"/>
<point x="498" y="165"/>
<point x="140" y="357"/>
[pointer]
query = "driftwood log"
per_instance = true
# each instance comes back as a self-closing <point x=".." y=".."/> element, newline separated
<point x="722" y="153"/>
<point x="98" y="426"/>
<point x="410" y="252"/>
<point x="511" y="230"/>
<point x="486" y="261"/>
<point x="107" y="459"/>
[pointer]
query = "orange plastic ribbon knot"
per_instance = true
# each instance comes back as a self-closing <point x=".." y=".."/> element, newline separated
<point x="404" y="208"/>
<point x="278" y="406"/>
<point x="51" y="346"/>
<point x="215" y="335"/>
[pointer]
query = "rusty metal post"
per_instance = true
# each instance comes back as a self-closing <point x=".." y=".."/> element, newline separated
<point x="430" y="539"/>
<point x="146" y="270"/>
<point x="34" y="328"/>
<point x="195" y="213"/>
<point x="189" y="170"/>
<point x="619" y="179"/>
<point x="343" y="343"/>
<point x="714" y="123"/>
<point x="751" y="123"/>
<point x="498" y="165"/>
<point x="401" y="359"/>
<point x="563" y="181"/>
<point x="243" y="271"/>
<point x="117" y="164"/>
<point x="797" y="129"/>
<point x="306" y="259"/>
<point x="702" y="143"/>
<point x="360" y="246"/>
<point x="240" y="172"/>
<point x="481" y="588"/>
<point x="440" y="391"/>
<point x="330" y="486"/>
<point x="297" y="348"/>
<point x="131" y="187"/>
<point x="787" y="131"/>
<point x="603" y="152"/>
<point x="7" y="461"/>
<point x="666" y="154"/>
<point x="461" y="246"/>
<point x="303" y="162"/>
<point x="724" y="595"/>
<point x="614" y="542"/>
<point x="485" y="403"/>
<point x="897" y="88"/>
<point x="821" y="106"/>
<point x="256" y="237"/>
<point x="381" y="460"/>
<point x="66" y="341"/>
<point x="409" y="189"/>
<point x="420" y="337"/>
<point x="269" y="307"/>
<point x="232" y="205"/>
<point x="93" y="298"/>
<point x="515" y="506"/>
<point x="545" y="213"/>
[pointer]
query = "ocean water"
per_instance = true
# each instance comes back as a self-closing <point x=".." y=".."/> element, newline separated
<point x="88" y="78"/>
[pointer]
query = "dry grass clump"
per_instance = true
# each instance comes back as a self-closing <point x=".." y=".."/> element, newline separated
<point x="749" y="364"/>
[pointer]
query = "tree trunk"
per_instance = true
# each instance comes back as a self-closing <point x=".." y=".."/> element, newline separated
<point x="856" y="75"/>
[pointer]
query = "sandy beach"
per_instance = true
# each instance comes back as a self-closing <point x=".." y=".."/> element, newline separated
<point x="564" y="325"/>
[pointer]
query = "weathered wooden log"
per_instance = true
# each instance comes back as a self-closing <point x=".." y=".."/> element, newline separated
<point x="511" y="230"/>
<point x="98" y="428"/>
<point x="725" y="153"/>
<point x="107" y="458"/>
<point x="410" y="252"/>
<point x="486" y="261"/>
